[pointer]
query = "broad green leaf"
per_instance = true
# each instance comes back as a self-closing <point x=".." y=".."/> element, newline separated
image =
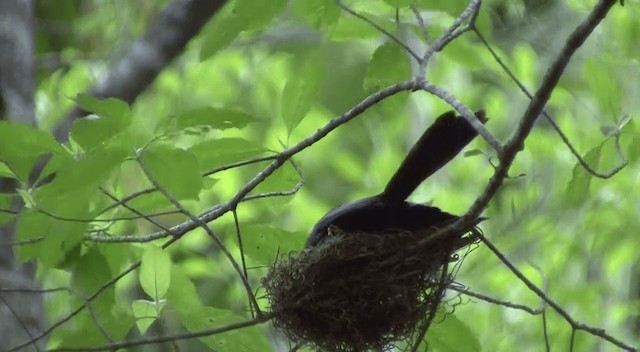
<point x="214" y="118"/>
<point x="248" y="339"/>
<point x="113" y="117"/>
<point x="245" y="15"/>
<point x="452" y="335"/>
<point x="263" y="243"/>
<point x="155" y="272"/>
<point x="90" y="274"/>
<point x="51" y="241"/>
<point x="317" y="13"/>
<point x="259" y="13"/>
<point x="109" y="107"/>
<point x="182" y="294"/>
<point x="146" y="313"/>
<point x="5" y="171"/>
<point x="389" y="65"/>
<point x="578" y="188"/>
<point x="602" y="82"/>
<point x="219" y="34"/>
<point x="351" y="28"/>
<point x="299" y="93"/>
<point x="175" y="169"/>
<point x="86" y="332"/>
<point x="217" y="152"/>
<point x="21" y="146"/>
<point x="79" y="179"/>
<point x="19" y="140"/>
<point x="183" y="297"/>
<point x="5" y="208"/>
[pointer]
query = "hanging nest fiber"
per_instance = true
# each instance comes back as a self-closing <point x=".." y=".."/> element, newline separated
<point x="359" y="292"/>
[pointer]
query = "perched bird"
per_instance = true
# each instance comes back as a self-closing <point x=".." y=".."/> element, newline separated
<point x="389" y="210"/>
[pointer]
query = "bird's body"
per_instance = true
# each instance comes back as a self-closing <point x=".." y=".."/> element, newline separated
<point x="389" y="210"/>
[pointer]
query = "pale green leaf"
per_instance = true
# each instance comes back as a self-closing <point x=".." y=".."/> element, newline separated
<point x="155" y="272"/>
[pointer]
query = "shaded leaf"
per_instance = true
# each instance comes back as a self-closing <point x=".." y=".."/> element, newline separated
<point x="452" y="335"/>
<point x="578" y="187"/>
<point x="146" y="313"/>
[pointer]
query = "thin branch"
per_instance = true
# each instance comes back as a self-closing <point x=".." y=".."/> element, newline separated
<point x="565" y="140"/>
<point x="242" y="258"/>
<point x="471" y="11"/>
<point x="496" y="301"/>
<point x="90" y="298"/>
<point x="20" y="322"/>
<point x="162" y="339"/>
<point x="423" y="26"/>
<point x="540" y="293"/>
<point x="204" y="174"/>
<point x="381" y="30"/>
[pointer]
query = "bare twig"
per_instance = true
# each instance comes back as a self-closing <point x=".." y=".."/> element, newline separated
<point x="496" y="301"/>
<point x="162" y="339"/>
<point x="380" y="29"/>
<point x="20" y="321"/>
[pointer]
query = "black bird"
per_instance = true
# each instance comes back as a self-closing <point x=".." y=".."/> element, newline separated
<point x="440" y="143"/>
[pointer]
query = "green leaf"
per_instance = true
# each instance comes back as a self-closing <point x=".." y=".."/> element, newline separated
<point x="146" y="313"/>
<point x="182" y="294"/>
<point x="5" y="207"/>
<point x="90" y="274"/>
<point x="214" y="118"/>
<point x="217" y="152"/>
<point x="263" y="243"/>
<point x="220" y="34"/>
<point x="54" y="240"/>
<point x="248" y="339"/>
<point x="259" y="13"/>
<point x="19" y="140"/>
<point x="175" y="169"/>
<point x="78" y="179"/>
<point x="114" y="116"/>
<point x="452" y="335"/>
<point x="389" y="65"/>
<point x="317" y="13"/>
<point x="351" y="28"/>
<point x="21" y="146"/>
<point x="299" y="93"/>
<point x="602" y="82"/>
<point x="109" y="107"/>
<point x="245" y="15"/>
<point x="155" y="272"/>
<point x="578" y="187"/>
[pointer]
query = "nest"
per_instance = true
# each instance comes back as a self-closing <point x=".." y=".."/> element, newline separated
<point x="359" y="292"/>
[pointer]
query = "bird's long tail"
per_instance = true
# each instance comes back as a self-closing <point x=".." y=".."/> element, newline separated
<point x="440" y="143"/>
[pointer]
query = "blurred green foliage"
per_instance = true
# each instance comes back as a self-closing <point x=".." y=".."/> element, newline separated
<point x="264" y="73"/>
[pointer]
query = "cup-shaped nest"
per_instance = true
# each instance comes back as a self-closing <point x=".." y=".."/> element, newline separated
<point x="357" y="292"/>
